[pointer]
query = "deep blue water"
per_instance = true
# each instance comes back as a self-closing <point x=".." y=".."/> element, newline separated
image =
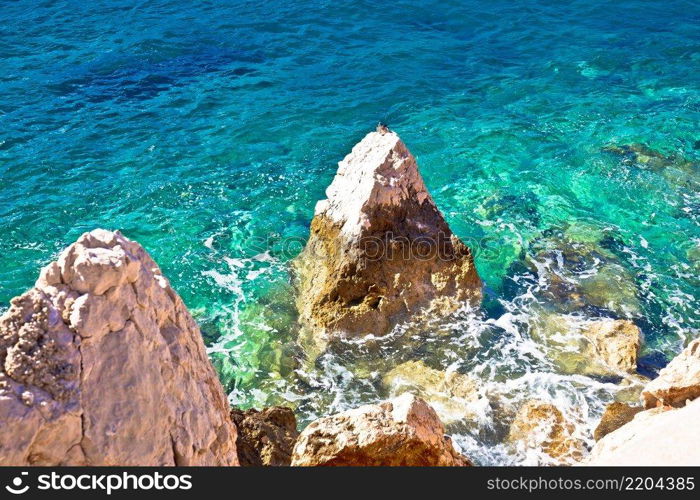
<point x="197" y="127"/>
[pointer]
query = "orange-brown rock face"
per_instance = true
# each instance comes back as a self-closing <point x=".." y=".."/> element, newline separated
<point x="380" y="251"/>
<point x="542" y="426"/>
<point x="615" y="416"/>
<point x="404" y="431"/>
<point x="102" y="364"/>
<point x="266" y="437"/>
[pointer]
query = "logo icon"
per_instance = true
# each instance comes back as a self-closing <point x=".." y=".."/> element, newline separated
<point x="17" y="483"/>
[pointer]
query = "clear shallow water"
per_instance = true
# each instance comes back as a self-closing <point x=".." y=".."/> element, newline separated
<point x="202" y="130"/>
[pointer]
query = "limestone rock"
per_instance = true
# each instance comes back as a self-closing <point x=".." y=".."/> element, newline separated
<point x="603" y="347"/>
<point x="615" y="416"/>
<point x="404" y="431"/>
<point x="453" y="396"/>
<point x="379" y="251"/>
<point x="266" y="437"/>
<point x="659" y="436"/>
<point x="643" y="155"/>
<point x="102" y="364"/>
<point x="612" y="287"/>
<point x="678" y="381"/>
<point x="616" y="343"/>
<point x="542" y="427"/>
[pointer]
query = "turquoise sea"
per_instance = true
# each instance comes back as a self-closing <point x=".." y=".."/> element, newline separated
<point x="560" y="139"/>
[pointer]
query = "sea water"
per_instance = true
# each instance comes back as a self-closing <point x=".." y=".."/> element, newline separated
<point x="207" y="131"/>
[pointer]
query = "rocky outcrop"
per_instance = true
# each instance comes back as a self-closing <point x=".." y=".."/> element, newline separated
<point x="102" y="364"/>
<point x="659" y="436"/>
<point x="664" y="434"/>
<point x="615" y="416"/>
<point x="266" y="437"/>
<point x="678" y="382"/>
<point x="593" y="347"/>
<point x="542" y="428"/>
<point x="379" y="251"/>
<point x="454" y="396"/>
<point x="404" y="431"/>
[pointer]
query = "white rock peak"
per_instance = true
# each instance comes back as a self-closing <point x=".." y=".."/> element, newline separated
<point x="379" y="252"/>
<point x="378" y="171"/>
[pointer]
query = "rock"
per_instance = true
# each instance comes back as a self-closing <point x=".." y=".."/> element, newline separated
<point x="612" y="287"/>
<point x="678" y="382"/>
<point x="266" y="437"/>
<point x="497" y="204"/>
<point x="629" y="389"/>
<point x="404" y="431"/>
<point x="379" y="251"/>
<point x="563" y="342"/>
<point x="616" y="343"/>
<point x="615" y="416"/>
<point x="640" y="154"/>
<point x="541" y="427"/>
<point x="102" y="364"/>
<point x="577" y="274"/>
<point x="587" y="233"/>
<point x="601" y="347"/>
<point x="693" y="256"/>
<point x="643" y="155"/>
<point x="653" y="437"/>
<point x="674" y="168"/>
<point x="453" y="396"/>
<point x="693" y="253"/>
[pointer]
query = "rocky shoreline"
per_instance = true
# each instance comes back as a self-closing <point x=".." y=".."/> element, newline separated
<point x="101" y="363"/>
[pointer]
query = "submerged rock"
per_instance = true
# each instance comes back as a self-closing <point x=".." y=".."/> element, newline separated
<point x="266" y="437"/>
<point x="577" y="274"/>
<point x="542" y="427"/>
<point x="659" y="436"/>
<point x="643" y="155"/>
<point x="404" y="431"/>
<point x="612" y="287"/>
<point x="693" y="256"/>
<point x="678" y="382"/>
<point x="615" y="416"/>
<point x="379" y="251"/>
<point x="578" y="345"/>
<point x="629" y="389"/>
<point x="640" y="154"/>
<point x="102" y="364"/>
<point x="453" y="396"/>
